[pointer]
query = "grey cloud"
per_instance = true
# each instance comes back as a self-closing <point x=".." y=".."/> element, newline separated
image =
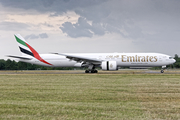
<point x="58" y="6"/>
<point x="98" y="29"/>
<point x="75" y="32"/>
<point x="43" y="35"/>
<point x="33" y="36"/>
<point x="82" y="29"/>
<point x="13" y="26"/>
<point x="46" y="24"/>
<point x="105" y="18"/>
<point x="85" y="8"/>
<point x="47" y="3"/>
<point x="132" y="19"/>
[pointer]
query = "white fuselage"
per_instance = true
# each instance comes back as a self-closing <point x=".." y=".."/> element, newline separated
<point x="122" y="59"/>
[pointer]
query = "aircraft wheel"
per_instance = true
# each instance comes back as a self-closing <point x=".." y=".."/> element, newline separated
<point x="162" y="71"/>
<point x="92" y="71"/>
<point x="86" y="71"/>
<point x="95" y="71"/>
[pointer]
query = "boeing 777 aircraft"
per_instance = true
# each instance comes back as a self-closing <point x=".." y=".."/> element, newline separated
<point x="106" y="61"/>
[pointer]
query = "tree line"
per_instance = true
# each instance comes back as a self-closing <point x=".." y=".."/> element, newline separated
<point x="13" y="65"/>
<point x="177" y="63"/>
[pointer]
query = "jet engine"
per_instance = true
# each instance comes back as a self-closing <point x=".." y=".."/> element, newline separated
<point x="109" y="65"/>
<point x="78" y="65"/>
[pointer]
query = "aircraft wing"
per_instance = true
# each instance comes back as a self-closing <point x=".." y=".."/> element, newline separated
<point x="80" y="58"/>
<point x="25" y="58"/>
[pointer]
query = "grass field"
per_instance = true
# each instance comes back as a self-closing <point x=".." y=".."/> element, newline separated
<point x="89" y="96"/>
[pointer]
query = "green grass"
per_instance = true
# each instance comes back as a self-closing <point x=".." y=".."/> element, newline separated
<point x="90" y="96"/>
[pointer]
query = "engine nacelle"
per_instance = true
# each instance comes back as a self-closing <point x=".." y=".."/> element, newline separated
<point x="109" y="65"/>
<point x="78" y="65"/>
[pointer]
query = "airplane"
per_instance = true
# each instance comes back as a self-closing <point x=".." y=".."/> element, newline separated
<point x="105" y="61"/>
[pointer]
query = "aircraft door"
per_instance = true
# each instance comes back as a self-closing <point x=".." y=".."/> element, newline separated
<point x="160" y="58"/>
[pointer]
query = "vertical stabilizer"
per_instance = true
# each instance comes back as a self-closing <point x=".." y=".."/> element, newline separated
<point x="26" y="49"/>
<point x="23" y="45"/>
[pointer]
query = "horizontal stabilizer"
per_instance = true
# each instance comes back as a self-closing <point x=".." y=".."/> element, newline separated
<point x="25" y="58"/>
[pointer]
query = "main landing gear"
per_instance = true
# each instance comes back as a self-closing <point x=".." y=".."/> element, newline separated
<point x="91" y="69"/>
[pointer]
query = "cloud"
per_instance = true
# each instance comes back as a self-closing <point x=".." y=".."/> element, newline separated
<point x="59" y="6"/>
<point x="134" y="20"/>
<point x="120" y="25"/>
<point x="33" y="36"/>
<point x="13" y="26"/>
<point x="73" y="30"/>
<point x="43" y="35"/>
<point x="105" y="16"/>
<point x="131" y="19"/>
<point x="82" y="29"/>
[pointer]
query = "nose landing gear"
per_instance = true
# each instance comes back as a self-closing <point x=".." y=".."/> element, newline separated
<point x="162" y="69"/>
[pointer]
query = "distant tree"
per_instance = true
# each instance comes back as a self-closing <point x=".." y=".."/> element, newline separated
<point x="176" y="56"/>
<point x="2" y="64"/>
<point x="177" y="63"/>
<point x="10" y="65"/>
<point x="22" y="66"/>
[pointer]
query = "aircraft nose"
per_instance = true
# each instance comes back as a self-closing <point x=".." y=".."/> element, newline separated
<point x="174" y="60"/>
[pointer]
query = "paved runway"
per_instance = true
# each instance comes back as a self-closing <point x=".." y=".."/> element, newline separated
<point x="121" y="71"/>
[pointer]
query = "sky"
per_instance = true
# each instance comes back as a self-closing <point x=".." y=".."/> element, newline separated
<point x="91" y="26"/>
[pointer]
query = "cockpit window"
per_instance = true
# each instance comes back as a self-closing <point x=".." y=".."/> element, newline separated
<point x="170" y="57"/>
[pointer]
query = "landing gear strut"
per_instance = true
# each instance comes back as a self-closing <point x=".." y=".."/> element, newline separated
<point x="162" y="69"/>
<point x="91" y="69"/>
